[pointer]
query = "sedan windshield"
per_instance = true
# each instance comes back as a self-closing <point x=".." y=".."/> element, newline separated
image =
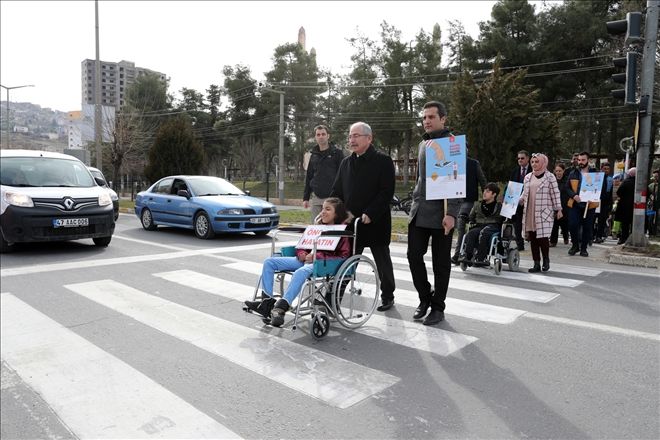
<point x="212" y="186"/>
<point x="44" y="171"/>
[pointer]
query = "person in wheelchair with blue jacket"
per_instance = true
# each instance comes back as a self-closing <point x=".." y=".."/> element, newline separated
<point x="333" y="212"/>
<point x="485" y="220"/>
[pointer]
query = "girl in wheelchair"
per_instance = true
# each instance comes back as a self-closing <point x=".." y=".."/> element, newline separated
<point x="486" y="219"/>
<point x="333" y="212"/>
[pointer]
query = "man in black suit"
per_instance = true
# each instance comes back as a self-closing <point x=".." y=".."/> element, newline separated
<point x="518" y="175"/>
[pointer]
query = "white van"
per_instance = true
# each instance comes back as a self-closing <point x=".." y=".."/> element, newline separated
<point x="51" y="197"/>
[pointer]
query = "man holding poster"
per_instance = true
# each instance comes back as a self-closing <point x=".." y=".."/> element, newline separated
<point x="579" y="214"/>
<point x="432" y="217"/>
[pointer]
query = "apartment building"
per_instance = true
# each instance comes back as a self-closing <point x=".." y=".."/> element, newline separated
<point x="115" y="79"/>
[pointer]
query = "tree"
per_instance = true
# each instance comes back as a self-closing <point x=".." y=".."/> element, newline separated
<point x="175" y="151"/>
<point x="502" y="119"/>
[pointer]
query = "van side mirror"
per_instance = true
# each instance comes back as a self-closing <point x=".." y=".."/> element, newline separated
<point x="247" y="192"/>
<point x="183" y="193"/>
<point x="100" y="182"/>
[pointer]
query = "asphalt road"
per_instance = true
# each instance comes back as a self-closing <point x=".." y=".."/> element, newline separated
<point x="147" y="339"/>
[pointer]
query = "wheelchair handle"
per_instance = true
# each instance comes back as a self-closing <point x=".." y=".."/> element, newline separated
<point x="291" y="229"/>
<point x="337" y="233"/>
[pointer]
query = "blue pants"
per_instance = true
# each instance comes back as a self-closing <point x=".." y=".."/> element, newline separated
<point x="274" y="264"/>
<point x="576" y="220"/>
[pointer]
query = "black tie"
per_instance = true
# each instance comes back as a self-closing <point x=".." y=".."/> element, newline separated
<point x="522" y="174"/>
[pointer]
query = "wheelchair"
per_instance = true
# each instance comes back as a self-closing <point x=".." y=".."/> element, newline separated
<point x="344" y="290"/>
<point x="503" y="250"/>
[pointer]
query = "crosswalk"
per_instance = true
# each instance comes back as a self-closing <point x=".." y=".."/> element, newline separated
<point x="76" y="377"/>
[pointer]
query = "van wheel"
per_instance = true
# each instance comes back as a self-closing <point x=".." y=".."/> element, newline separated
<point x="5" y="246"/>
<point x="102" y="241"/>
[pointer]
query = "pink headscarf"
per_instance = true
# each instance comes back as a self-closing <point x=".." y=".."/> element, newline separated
<point x="543" y="161"/>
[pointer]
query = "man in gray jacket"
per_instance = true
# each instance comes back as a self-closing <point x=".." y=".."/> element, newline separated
<point x="428" y="220"/>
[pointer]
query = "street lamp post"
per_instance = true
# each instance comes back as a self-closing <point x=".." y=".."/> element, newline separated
<point x="280" y="179"/>
<point x="8" y="89"/>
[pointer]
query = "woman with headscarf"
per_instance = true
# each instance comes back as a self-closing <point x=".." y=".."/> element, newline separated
<point x="541" y="202"/>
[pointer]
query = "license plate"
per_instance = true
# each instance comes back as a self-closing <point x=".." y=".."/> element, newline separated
<point x="259" y="220"/>
<point x="70" y="222"/>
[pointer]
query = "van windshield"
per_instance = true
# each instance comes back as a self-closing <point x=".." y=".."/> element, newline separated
<point x="44" y="171"/>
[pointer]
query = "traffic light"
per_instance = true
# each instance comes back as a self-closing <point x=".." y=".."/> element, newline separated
<point x="632" y="28"/>
<point x="628" y="78"/>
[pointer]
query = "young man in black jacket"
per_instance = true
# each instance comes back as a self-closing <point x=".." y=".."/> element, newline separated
<point x="322" y="169"/>
<point x="429" y="221"/>
<point x="365" y="183"/>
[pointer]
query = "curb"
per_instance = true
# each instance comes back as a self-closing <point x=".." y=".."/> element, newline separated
<point x="628" y="259"/>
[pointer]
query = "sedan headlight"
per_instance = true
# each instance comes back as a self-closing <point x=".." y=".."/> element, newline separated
<point x="104" y="199"/>
<point x="231" y="211"/>
<point x="273" y="209"/>
<point x="18" y="199"/>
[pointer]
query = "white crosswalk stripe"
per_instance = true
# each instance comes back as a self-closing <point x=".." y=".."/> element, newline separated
<point x="460" y="284"/>
<point x="306" y="370"/>
<point x="409" y="334"/>
<point x="78" y="379"/>
<point x="456" y="307"/>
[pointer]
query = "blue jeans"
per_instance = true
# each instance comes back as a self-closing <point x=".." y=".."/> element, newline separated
<point x="274" y="264"/>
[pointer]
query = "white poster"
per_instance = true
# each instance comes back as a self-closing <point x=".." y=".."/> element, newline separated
<point x="511" y="196"/>
<point x="322" y="243"/>
<point x="445" y="167"/>
<point x="592" y="184"/>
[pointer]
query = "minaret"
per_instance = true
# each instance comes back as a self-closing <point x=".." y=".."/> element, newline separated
<point x="301" y="37"/>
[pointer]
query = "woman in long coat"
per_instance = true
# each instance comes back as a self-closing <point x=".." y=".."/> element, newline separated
<point x="541" y="201"/>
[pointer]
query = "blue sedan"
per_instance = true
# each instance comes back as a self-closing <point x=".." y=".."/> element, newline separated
<point x="207" y="205"/>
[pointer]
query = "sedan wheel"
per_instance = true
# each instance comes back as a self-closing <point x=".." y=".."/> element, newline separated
<point x="203" y="228"/>
<point x="147" y="220"/>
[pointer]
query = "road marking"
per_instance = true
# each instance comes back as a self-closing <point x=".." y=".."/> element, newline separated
<point x="505" y="274"/>
<point x="594" y="326"/>
<point x="95" y="394"/>
<point x="556" y="267"/>
<point x="455" y="307"/>
<point x="83" y="264"/>
<point x="406" y="333"/>
<point x="326" y="377"/>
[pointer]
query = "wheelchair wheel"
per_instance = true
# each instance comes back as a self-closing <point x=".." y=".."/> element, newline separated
<point x="497" y="266"/>
<point x="513" y="259"/>
<point x="356" y="291"/>
<point x="320" y="325"/>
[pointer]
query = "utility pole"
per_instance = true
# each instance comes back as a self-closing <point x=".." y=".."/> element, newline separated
<point x="97" y="94"/>
<point x="280" y="174"/>
<point x="637" y="237"/>
<point x="7" y="122"/>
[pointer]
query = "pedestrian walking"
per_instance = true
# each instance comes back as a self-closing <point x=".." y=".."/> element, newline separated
<point x="562" y="177"/>
<point x="518" y="175"/>
<point x="428" y="220"/>
<point x="577" y="217"/>
<point x="324" y="161"/>
<point x="541" y="203"/>
<point x="365" y="182"/>
<point x="626" y="204"/>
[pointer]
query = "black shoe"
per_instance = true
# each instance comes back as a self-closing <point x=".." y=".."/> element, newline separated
<point x="521" y="247"/>
<point x="599" y="240"/>
<point x="553" y="244"/>
<point x="573" y="250"/>
<point x="277" y="315"/>
<point x="535" y="268"/>
<point x="421" y="310"/>
<point x="565" y="240"/>
<point x="584" y="253"/>
<point x="262" y="308"/>
<point x="385" y="304"/>
<point x="454" y="260"/>
<point x="546" y="265"/>
<point x="434" y="317"/>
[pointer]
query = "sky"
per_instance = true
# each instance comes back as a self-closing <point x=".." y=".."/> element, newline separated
<point x="44" y="43"/>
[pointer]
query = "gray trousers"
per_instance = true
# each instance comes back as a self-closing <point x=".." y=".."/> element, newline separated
<point x="461" y="222"/>
<point x="315" y="206"/>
